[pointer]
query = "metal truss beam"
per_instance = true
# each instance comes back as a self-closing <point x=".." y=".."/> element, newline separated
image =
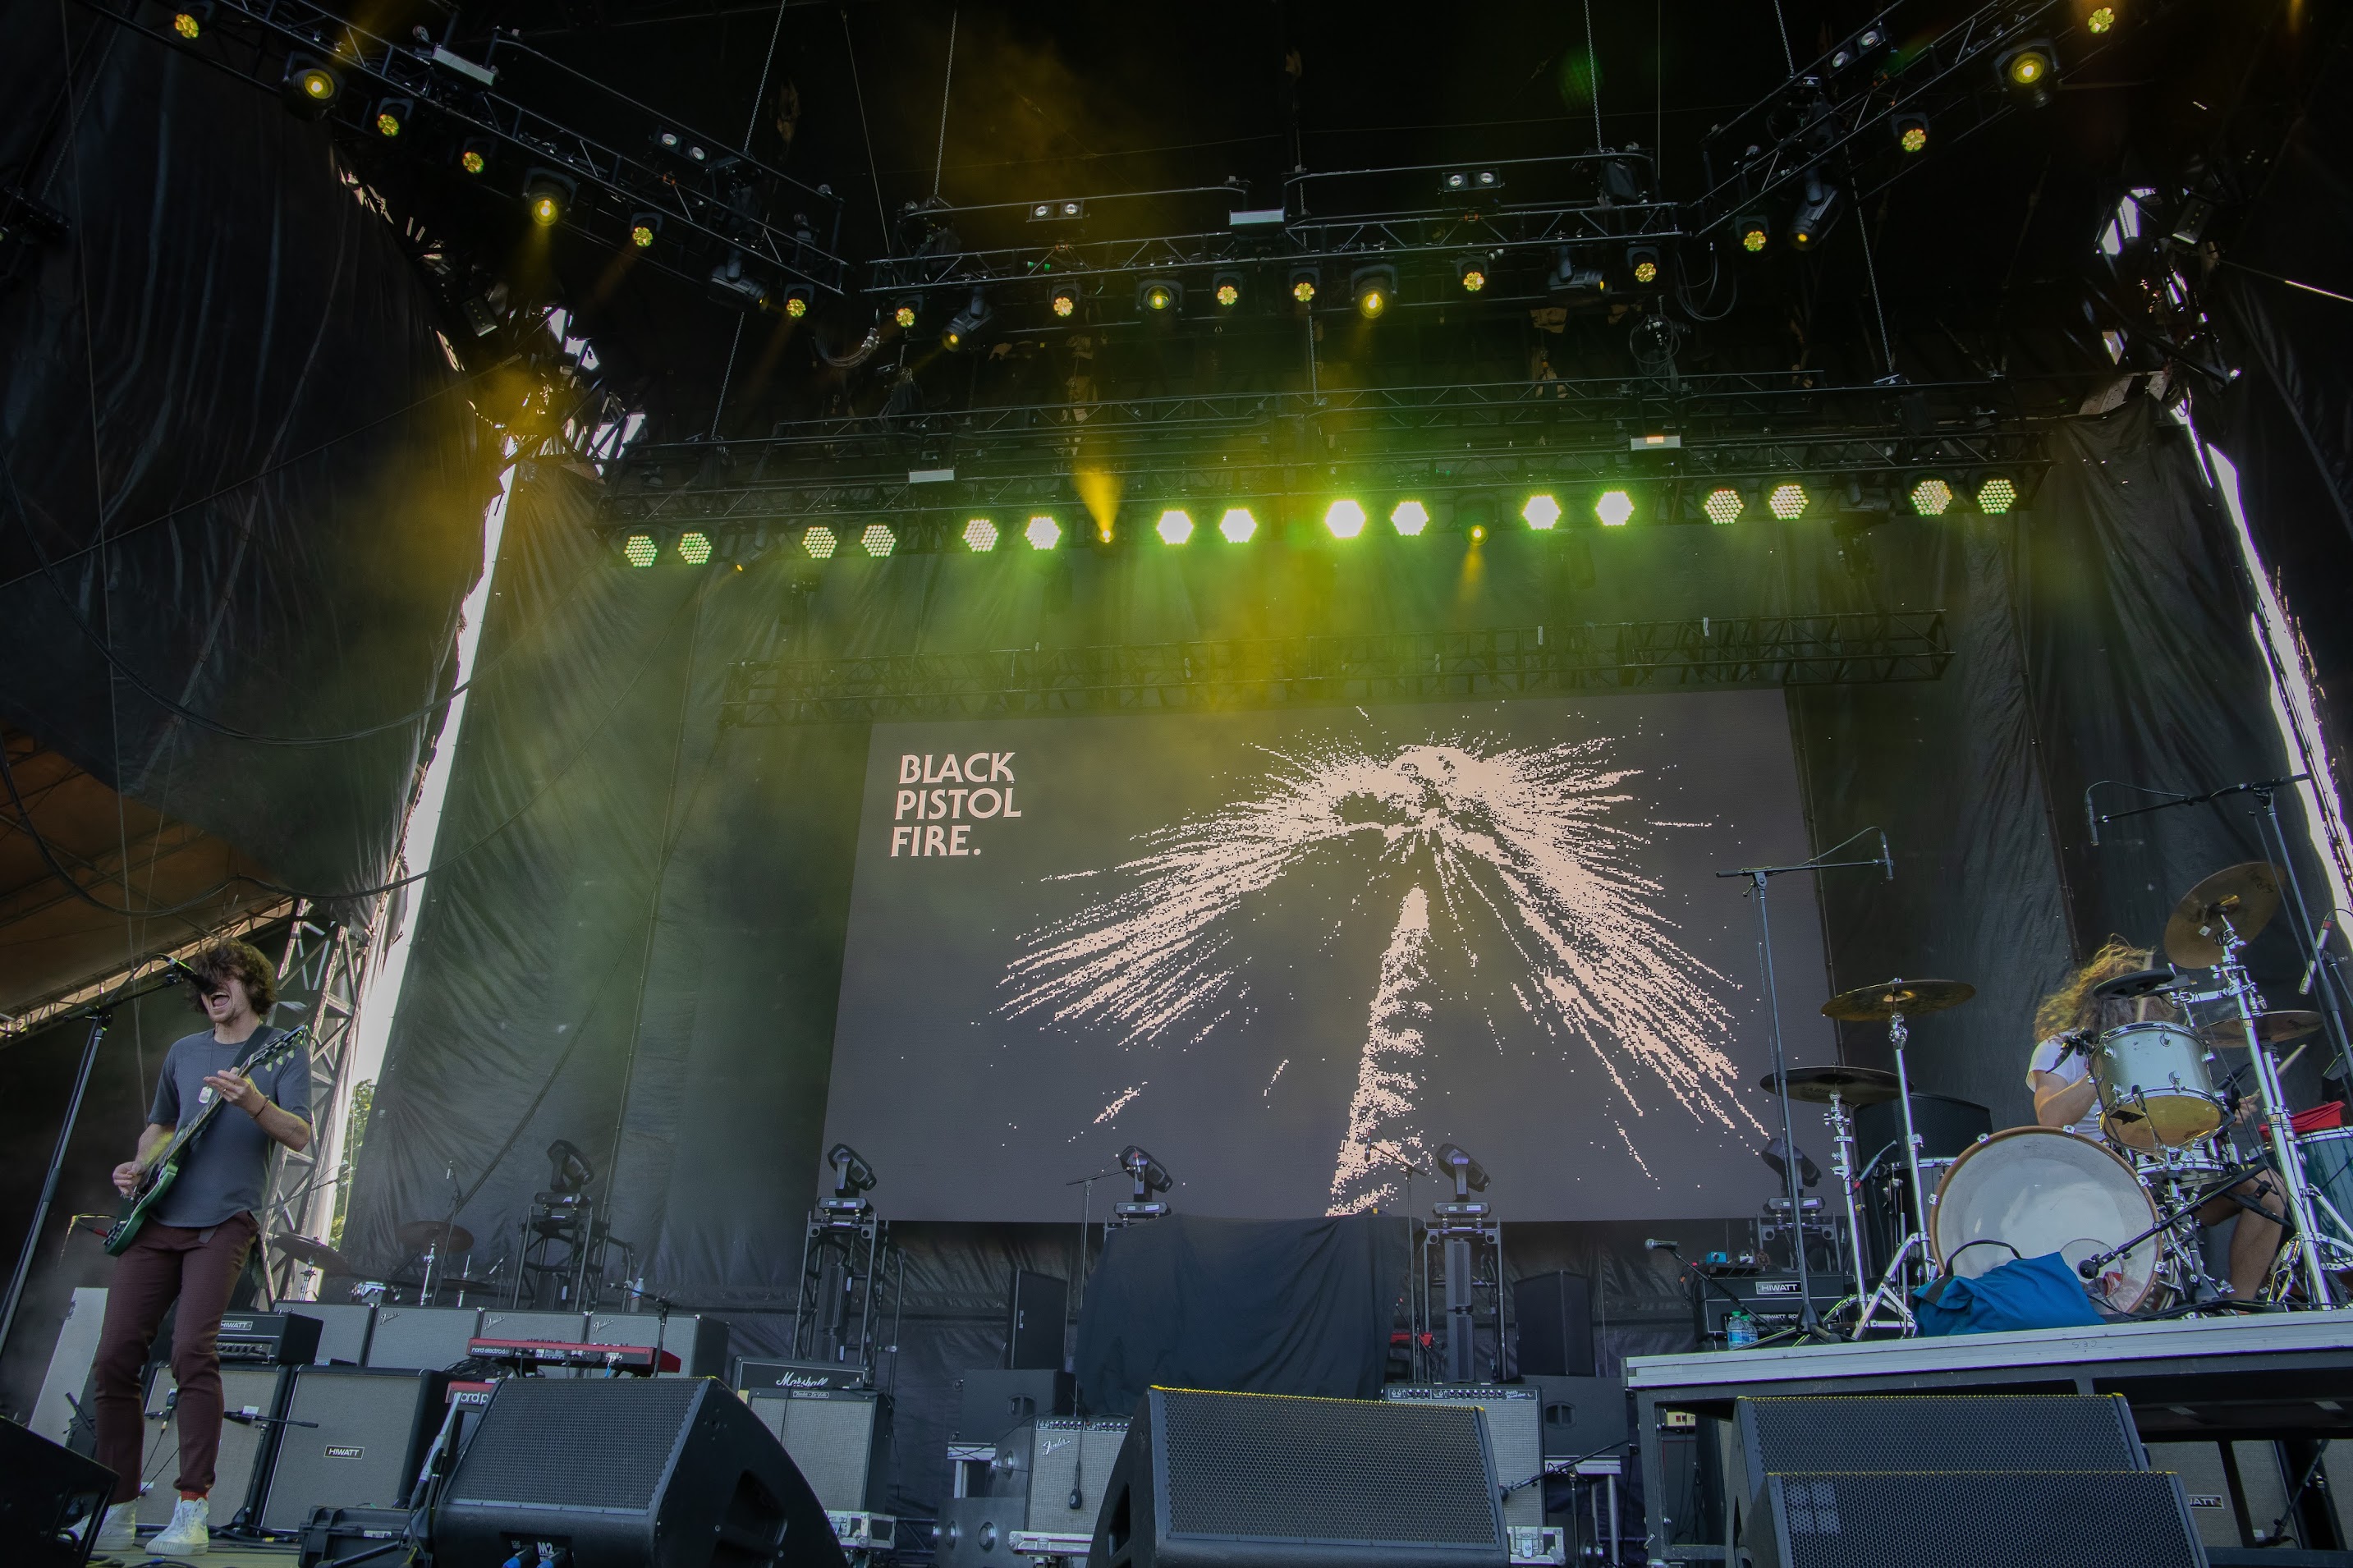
<point x="320" y="977"/>
<point x="1523" y="661"/>
<point x="58" y="1005"/>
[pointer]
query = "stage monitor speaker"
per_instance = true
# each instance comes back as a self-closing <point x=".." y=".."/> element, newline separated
<point x="61" y="1412"/>
<point x="366" y="1430"/>
<point x="1921" y="1432"/>
<point x="1059" y="1467"/>
<point x="2030" y="1518"/>
<point x="256" y="1391"/>
<point x="1271" y="1480"/>
<point x="1555" y="1314"/>
<point x="628" y="1472"/>
<point x="423" y="1338"/>
<point x="840" y="1439"/>
<point x="1035" y="1313"/>
<point x="992" y="1402"/>
<point x="699" y="1342"/>
<point x="1583" y="1416"/>
<point x="45" y="1491"/>
<point x="1515" y="1414"/>
<point x="977" y="1531"/>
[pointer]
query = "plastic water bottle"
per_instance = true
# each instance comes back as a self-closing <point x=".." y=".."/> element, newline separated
<point x="1739" y="1331"/>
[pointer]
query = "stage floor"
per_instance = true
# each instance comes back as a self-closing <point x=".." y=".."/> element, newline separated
<point x="223" y="1555"/>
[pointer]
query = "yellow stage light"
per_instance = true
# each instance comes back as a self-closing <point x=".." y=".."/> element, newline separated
<point x="1997" y="496"/>
<point x="1478" y="531"/>
<point x="1646" y="270"/>
<point x="1474" y="279"/>
<point x="1303" y="290"/>
<point x="1753" y="238"/>
<point x="796" y="306"/>
<point x="642" y="236"/>
<point x="2028" y="67"/>
<point x="1914" y="138"/>
<point x="471" y="161"/>
<point x="186" y="24"/>
<point x="1227" y="295"/>
<point x="1158" y="296"/>
<point x="1931" y="496"/>
<point x="387" y="123"/>
<point x="905" y="316"/>
<point x="1065" y="302"/>
<point x="315" y="83"/>
<point x="2102" y="18"/>
<point x="694" y="549"/>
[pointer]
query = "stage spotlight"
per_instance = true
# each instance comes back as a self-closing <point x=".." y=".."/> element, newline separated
<point x="1302" y="284"/>
<point x="1175" y="526"/>
<point x="1043" y="532"/>
<point x="2026" y="71"/>
<point x="878" y="538"/>
<point x="1478" y="531"/>
<point x="1064" y="300"/>
<point x="966" y="323"/>
<point x="1469" y="181"/>
<point x="1614" y="509"/>
<point x="1995" y="496"/>
<point x="1789" y="501"/>
<point x="1813" y="212"/>
<point x="694" y="548"/>
<point x="1373" y="287"/>
<point x="547" y="196"/>
<point x="1642" y="262"/>
<point x="1571" y="275"/>
<point x="905" y="311"/>
<point x="796" y="299"/>
<point x="189" y="20"/>
<point x="392" y="116"/>
<point x="644" y="226"/>
<point x="1723" y="505"/>
<point x="1226" y="288"/>
<point x="851" y="1174"/>
<point x="1755" y="234"/>
<point x="2102" y="18"/>
<point x="640" y="550"/>
<point x="1470" y="1176"/>
<point x="820" y="542"/>
<point x="1912" y="132"/>
<point x="1150" y="1176"/>
<point x="1344" y="519"/>
<point x="1237" y="525"/>
<point x="1931" y="496"/>
<point x="1541" y="512"/>
<point x="474" y="154"/>
<point x="1409" y="517"/>
<point x="309" y="89"/>
<point x="1160" y="297"/>
<point x="980" y="534"/>
<point x="1471" y="273"/>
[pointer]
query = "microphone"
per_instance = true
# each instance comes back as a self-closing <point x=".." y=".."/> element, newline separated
<point x="2319" y="946"/>
<point x="1654" y="1244"/>
<point x="1886" y="861"/>
<point x="2093" y="817"/>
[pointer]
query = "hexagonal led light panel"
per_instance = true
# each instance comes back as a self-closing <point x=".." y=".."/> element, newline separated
<point x="1997" y="496"/>
<point x="980" y="534"/>
<point x="1345" y="519"/>
<point x="1931" y="498"/>
<point x="640" y="550"/>
<point x="1174" y="527"/>
<point x="1788" y="501"/>
<point x="1723" y="505"/>
<point x="820" y="542"/>
<point x="1409" y="517"/>
<point x="1614" y="508"/>
<point x="1542" y="511"/>
<point x="878" y="538"/>
<point x="694" y="549"/>
<point x="1237" y="525"/>
<point x="1043" y="532"/>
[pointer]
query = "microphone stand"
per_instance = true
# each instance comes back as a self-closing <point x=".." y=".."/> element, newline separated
<point x="1760" y="878"/>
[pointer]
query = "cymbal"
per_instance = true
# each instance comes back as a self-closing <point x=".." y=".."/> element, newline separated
<point x="419" y="1234"/>
<point x="2247" y="896"/>
<point x="2138" y="982"/>
<point x="1909" y="997"/>
<point x="2272" y="1028"/>
<point x="317" y="1254"/>
<point x="1855" y="1085"/>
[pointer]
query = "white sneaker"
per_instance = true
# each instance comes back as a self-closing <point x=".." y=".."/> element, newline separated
<point x="190" y="1531"/>
<point x="118" y="1528"/>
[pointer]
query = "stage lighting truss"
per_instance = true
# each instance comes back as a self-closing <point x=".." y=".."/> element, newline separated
<point x="325" y="67"/>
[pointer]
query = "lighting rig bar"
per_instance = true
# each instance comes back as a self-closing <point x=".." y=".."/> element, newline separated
<point x="261" y="42"/>
<point x="1873" y="648"/>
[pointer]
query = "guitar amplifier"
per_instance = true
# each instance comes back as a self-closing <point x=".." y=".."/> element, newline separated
<point x="1514" y="1435"/>
<point x="838" y="1438"/>
<point x="343" y="1331"/>
<point x="1769" y="1296"/>
<point x="699" y="1342"/>
<point x="422" y="1337"/>
<point x="268" y="1339"/>
<point x="754" y="1374"/>
<point x="368" y="1431"/>
<point x="244" y="1449"/>
<point x="1051" y="1462"/>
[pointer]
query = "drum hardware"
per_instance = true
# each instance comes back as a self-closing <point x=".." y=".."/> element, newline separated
<point x="1892" y="1000"/>
<point x="2272" y="1028"/>
<point x="1836" y="1089"/>
<point x="2180" y="1249"/>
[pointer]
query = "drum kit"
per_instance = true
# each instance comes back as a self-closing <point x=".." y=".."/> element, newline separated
<point x="2122" y="1209"/>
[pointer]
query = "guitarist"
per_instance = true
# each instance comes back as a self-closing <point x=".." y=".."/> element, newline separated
<point x="194" y="1246"/>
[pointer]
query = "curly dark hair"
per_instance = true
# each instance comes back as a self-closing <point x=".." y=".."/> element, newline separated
<point x="216" y="963"/>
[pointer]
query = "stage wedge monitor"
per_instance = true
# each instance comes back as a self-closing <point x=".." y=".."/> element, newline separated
<point x="628" y="1473"/>
<point x="1260" y="1481"/>
<point x="46" y="1490"/>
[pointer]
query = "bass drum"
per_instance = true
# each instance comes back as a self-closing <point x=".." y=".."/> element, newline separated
<point x="2037" y="1190"/>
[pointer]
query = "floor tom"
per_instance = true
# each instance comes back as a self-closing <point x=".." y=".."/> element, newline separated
<point x="2037" y="1190"/>
<point x="2155" y="1089"/>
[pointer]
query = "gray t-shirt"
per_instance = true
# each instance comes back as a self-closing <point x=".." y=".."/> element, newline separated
<point x="221" y="1173"/>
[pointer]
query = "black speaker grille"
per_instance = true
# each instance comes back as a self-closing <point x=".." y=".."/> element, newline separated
<point x="1271" y="1467"/>
<point x="2130" y="1519"/>
<point x="1941" y="1431"/>
<point x="552" y="1443"/>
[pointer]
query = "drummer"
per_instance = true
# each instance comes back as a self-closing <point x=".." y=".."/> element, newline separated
<point x="2066" y="1096"/>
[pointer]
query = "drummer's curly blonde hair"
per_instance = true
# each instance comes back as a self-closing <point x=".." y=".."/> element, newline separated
<point x="2073" y="1006"/>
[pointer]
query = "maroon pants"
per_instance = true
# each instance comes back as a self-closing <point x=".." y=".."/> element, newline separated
<point x="198" y="1268"/>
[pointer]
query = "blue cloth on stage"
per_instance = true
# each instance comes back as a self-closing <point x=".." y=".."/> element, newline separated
<point x="2042" y="1292"/>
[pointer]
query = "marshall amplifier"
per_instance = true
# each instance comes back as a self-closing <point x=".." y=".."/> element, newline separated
<point x="1769" y="1296"/>
<point x="268" y="1339"/>
<point x="753" y="1374"/>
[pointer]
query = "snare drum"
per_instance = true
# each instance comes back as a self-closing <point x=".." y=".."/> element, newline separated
<point x="2037" y="1190"/>
<point x="2155" y="1091"/>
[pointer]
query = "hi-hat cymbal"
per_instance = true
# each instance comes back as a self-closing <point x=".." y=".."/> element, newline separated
<point x="419" y="1234"/>
<point x="317" y="1254"/>
<point x="1886" y="999"/>
<point x="2138" y="983"/>
<point x="2247" y="897"/>
<point x="2272" y="1028"/>
<point x="1855" y="1085"/>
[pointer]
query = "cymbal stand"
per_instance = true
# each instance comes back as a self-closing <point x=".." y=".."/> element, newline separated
<point x="1843" y="1167"/>
<point x="2278" y="1130"/>
<point x="1892" y="1290"/>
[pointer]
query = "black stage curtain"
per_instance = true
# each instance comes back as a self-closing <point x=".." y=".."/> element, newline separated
<point x="1255" y="1306"/>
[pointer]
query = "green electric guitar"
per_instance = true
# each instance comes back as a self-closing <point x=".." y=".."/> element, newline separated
<point x="164" y="1169"/>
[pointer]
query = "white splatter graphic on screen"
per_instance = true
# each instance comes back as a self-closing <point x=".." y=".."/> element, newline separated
<point x="1513" y="850"/>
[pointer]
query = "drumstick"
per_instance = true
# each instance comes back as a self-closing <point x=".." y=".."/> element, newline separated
<point x="2291" y="1058"/>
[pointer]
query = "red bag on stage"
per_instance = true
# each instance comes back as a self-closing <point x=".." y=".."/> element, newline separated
<point x="2320" y="1117"/>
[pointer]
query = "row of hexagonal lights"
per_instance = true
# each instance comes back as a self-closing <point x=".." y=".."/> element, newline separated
<point x="1344" y="519"/>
